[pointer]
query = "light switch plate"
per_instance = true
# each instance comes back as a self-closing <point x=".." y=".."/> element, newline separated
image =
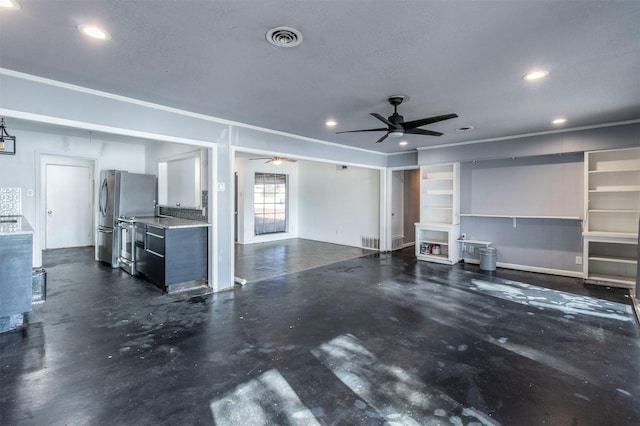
<point x="220" y="186"/>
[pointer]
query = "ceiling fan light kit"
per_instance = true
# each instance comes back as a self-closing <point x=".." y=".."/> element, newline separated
<point x="397" y="127"/>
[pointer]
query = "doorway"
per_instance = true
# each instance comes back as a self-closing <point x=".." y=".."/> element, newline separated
<point x="405" y="207"/>
<point x="68" y="188"/>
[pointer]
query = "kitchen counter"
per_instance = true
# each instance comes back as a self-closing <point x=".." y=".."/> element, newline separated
<point x="14" y="225"/>
<point x="172" y="252"/>
<point x="167" y="222"/>
<point x="16" y="291"/>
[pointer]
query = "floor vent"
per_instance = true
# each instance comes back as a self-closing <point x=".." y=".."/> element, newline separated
<point x="370" y="243"/>
<point x="397" y="243"/>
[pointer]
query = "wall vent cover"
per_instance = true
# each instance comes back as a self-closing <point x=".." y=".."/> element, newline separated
<point x="284" y="37"/>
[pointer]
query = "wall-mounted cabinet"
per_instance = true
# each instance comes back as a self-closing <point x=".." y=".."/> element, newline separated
<point x="612" y="202"/>
<point x="440" y="193"/>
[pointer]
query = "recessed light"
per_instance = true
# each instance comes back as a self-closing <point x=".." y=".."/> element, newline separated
<point x="331" y="123"/>
<point x="9" y="4"/>
<point x="535" y="75"/>
<point x="465" y="129"/>
<point x="403" y="143"/>
<point x="559" y="121"/>
<point x="94" y="32"/>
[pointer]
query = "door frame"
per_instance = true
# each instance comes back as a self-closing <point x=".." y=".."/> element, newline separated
<point x="386" y="209"/>
<point x="61" y="160"/>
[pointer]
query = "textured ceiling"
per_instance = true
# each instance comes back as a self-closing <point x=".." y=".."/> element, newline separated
<point x="466" y="57"/>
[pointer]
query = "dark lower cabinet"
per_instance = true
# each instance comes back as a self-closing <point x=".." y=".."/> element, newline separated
<point x="172" y="258"/>
<point x="15" y="279"/>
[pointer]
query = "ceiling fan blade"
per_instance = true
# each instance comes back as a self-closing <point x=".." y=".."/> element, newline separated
<point x="365" y="130"/>
<point x="423" y="122"/>
<point x="382" y="138"/>
<point x="384" y="120"/>
<point x="289" y="160"/>
<point x="422" y="132"/>
<point x="261" y="158"/>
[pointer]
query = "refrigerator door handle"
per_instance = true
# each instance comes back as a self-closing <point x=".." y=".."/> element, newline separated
<point x="105" y="230"/>
<point x="104" y="196"/>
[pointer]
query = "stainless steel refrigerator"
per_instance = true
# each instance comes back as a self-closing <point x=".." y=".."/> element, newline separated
<point x="122" y="194"/>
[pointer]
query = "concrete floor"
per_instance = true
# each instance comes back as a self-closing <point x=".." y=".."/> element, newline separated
<point x="256" y="262"/>
<point x="380" y="339"/>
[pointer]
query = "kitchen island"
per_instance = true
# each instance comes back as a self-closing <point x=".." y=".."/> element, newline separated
<point x="16" y="251"/>
<point x="172" y="252"/>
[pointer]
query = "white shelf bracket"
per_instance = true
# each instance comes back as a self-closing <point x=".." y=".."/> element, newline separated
<point x="514" y="222"/>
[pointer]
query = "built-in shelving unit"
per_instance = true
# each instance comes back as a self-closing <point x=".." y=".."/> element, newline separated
<point x="440" y="193"/>
<point x="438" y="243"/>
<point x="439" y="226"/>
<point x="612" y="200"/>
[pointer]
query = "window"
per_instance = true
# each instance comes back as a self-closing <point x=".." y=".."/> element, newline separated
<point x="270" y="203"/>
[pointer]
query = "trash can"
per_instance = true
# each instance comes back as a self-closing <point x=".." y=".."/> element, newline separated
<point x="488" y="256"/>
<point x="38" y="285"/>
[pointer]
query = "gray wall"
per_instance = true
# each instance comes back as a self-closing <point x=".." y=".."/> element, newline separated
<point x="625" y="135"/>
<point x="549" y="185"/>
<point x="538" y="175"/>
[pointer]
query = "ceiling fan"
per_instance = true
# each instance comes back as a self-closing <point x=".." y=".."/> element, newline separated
<point x="275" y="160"/>
<point x="397" y="127"/>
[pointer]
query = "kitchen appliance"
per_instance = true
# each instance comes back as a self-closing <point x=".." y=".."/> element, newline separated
<point x="127" y="257"/>
<point x="122" y="194"/>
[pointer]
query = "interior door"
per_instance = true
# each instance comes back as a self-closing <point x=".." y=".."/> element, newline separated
<point x="69" y="206"/>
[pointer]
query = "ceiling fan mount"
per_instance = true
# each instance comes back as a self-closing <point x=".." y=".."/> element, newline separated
<point x="396" y="100"/>
<point x="397" y="127"/>
<point x="275" y="160"/>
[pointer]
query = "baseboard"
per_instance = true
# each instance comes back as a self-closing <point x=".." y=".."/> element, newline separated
<point x="528" y="268"/>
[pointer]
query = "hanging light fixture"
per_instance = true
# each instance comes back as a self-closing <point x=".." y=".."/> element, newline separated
<point x="7" y="142"/>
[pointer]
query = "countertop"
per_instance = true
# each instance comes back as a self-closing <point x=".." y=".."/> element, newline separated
<point x="171" y="222"/>
<point x="14" y="225"/>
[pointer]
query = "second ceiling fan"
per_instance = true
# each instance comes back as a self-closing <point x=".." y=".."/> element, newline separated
<point x="275" y="160"/>
<point x="397" y="127"/>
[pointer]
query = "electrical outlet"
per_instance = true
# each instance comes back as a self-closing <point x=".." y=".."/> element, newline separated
<point x="578" y="260"/>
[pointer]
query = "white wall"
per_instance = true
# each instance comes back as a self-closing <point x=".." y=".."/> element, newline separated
<point x="23" y="169"/>
<point x="339" y="206"/>
<point x="161" y="152"/>
<point x="247" y="169"/>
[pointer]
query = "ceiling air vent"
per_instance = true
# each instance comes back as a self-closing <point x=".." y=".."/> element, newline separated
<point x="284" y="37"/>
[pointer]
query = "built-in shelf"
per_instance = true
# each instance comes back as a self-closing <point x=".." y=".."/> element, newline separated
<point x="476" y="242"/>
<point x="439" y="193"/>
<point x="612" y="197"/>
<point x="614" y="171"/>
<point x="617" y="189"/>
<point x="614" y="211"/>
<point x="614" y="259"/>
<point x="516" y="216"/>
<point x="610" y="235"/>
<point x="436" y="242"/>
<point x="612" y="280"/>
